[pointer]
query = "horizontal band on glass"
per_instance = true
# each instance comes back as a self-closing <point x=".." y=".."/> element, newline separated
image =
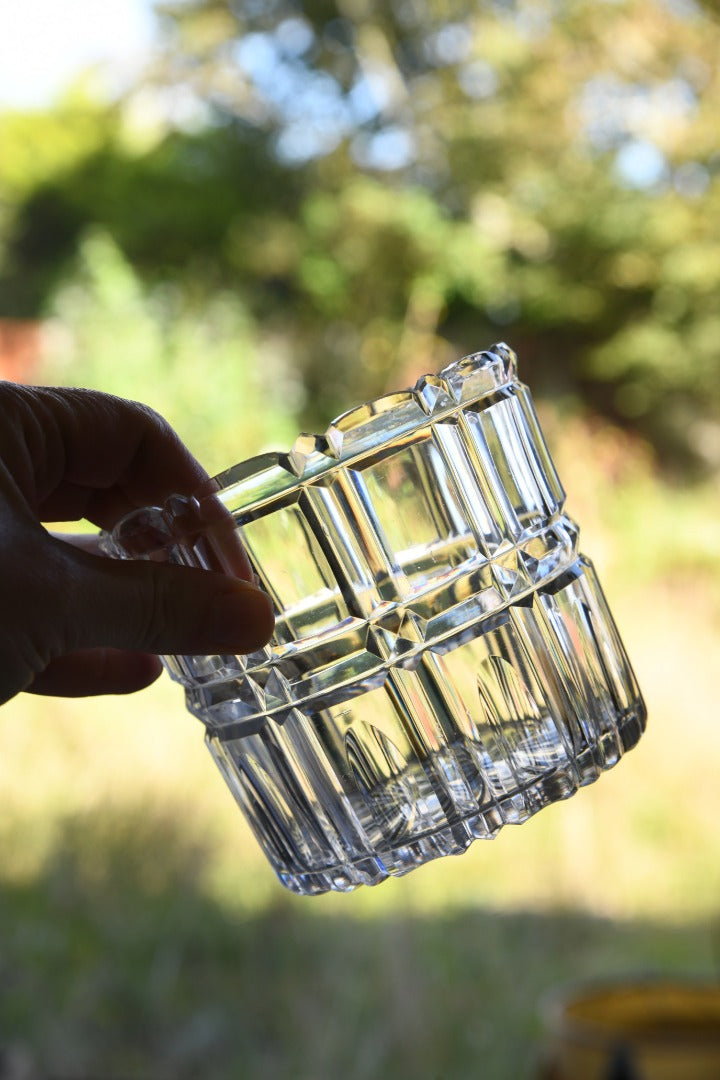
<point x="357" y="655"/>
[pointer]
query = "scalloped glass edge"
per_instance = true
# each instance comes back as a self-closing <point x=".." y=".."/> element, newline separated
<point x="364" y="429"/>
<point x="370" y="426"/>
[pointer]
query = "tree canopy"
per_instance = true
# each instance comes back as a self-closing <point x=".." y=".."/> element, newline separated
<point x="388" y="186"/>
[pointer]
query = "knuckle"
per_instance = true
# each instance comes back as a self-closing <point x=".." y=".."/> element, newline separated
<point x="156" y="608"/>
<point x="153" y="421"/>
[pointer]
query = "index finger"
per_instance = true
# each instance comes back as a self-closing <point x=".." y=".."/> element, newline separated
<point x="100" y="455"/>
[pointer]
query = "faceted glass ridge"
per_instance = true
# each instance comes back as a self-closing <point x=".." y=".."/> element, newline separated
<point x="443" y="661"/>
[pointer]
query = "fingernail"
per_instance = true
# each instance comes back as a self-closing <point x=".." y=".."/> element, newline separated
<point x="242" y="620"/>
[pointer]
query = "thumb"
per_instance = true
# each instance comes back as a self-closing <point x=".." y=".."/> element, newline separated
<point x="160" y="608"/>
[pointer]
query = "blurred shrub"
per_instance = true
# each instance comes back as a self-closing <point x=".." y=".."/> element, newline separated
<point x="382" y="189"/>
<point x="228" y="392"/>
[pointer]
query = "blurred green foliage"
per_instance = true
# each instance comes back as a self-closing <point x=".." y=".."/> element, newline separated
<point x="110" y="331"/>
<point x="382" y="188"/>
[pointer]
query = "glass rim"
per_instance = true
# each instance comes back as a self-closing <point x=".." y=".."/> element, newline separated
<point x="368" y="427"/>
<point x="361" y="430"/>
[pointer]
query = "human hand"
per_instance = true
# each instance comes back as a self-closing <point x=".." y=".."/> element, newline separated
<point x="71" y="621"/>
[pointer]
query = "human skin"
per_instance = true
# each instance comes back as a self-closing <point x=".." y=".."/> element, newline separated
<point x="73" y="622"/>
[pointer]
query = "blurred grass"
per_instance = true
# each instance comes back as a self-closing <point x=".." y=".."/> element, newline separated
<point x="144" y="936"/>
<point x="118" y="978"/>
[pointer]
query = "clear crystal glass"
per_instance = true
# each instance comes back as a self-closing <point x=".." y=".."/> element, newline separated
<point x="444" y="661"/>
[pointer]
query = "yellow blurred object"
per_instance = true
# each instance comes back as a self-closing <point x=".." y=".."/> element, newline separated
<point x="647" y="1030"/>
